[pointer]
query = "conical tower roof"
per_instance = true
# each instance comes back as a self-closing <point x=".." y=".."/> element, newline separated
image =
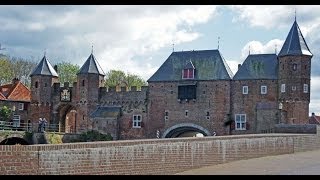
<point x="295" y="43"/>
<point x="44" y="68"/>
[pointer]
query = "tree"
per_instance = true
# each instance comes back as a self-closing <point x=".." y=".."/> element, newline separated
<point x="6" y="74"/>
<point x="12" y="67"/>
<point x="118" y="78"/>
<point x="5" y="113"/>
<point x="67" y="72"/>
<point x="21" y="69"/>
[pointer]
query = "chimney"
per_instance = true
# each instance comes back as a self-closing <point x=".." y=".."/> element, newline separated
<point x="55" y="67"/>
<point x="239" y="65"/>
<point x="15" y="80"/>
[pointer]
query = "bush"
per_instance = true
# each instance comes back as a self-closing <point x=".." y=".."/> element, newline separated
<point x="94" y="136"/>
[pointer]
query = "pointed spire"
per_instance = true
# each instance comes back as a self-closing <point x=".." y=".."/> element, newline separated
<point x="218" y="42"/>
<point x="172" y="47"/>
<point x="275" y="49"/>
<point x="295" y="14"/>
<point x="295" y="43"/>
<point x="91" y="66"/>
<point x="249" y="50"/>
<point x="44" y="68"/>
<point x="44" y="54"/>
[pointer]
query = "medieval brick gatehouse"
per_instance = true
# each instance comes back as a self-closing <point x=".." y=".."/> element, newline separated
<point x="192" y="91"/>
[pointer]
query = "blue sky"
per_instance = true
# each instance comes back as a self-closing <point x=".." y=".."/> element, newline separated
<point x="138" y="39"/>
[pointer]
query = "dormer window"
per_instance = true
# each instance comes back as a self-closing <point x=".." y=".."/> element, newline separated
<point x="188" y="71"/>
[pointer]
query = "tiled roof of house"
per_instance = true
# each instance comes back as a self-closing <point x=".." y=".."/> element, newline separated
<point x="2" y="97"/>
<point x="295" y="43"/>
<point x="258" y="66"/>
<point x="208" y="64"/>
<point x="91" y="66"/>
<point x="314" y="119"/>
<point x="15" y="92"/>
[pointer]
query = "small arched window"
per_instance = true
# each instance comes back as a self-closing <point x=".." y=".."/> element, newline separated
<point x="294" y="66"/>
<point x="82" y="82"/>
<point x="36" y="84"/>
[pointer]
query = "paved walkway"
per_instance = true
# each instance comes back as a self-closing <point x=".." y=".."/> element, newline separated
<point x="302" y="163"/>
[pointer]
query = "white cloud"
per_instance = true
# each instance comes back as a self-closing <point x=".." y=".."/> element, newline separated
<point x="256" y="47"/>
<point x="119" y="34"/>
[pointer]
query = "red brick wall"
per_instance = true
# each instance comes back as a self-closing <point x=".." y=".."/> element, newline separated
<point x="157" y="156"/>
<point x="246" y="103"/>
<point x="211" y="96"/>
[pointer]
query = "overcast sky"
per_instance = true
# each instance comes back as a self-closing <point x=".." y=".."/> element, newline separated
<point x="138" y="38"/>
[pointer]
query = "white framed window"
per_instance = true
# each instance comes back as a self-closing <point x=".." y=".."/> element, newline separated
<point x="21" y="106"/>
<point x="245" y="89"/>
<point x="305" y="88"/>
<point x="283" y="88"/>
<point x="263" y="89"/>
<point x="240" y="121"/>
<point x="136" y="122"/>
<point x="16" y="121"/>
<point x="166" y="115"/>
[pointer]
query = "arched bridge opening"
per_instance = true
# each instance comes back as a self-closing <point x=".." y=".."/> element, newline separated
<point x="185" y="130"/>
<point x="14" y="141"/>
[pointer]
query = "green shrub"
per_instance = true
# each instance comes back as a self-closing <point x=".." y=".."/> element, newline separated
<point x="94" y="136"/>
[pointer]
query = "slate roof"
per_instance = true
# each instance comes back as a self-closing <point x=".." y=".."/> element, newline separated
<point x="15" y="92"/>
<point x="208" y="64"/>
<point x="258" y="66"/>
<point x="44" y="68"/>
<point x="189" y="65"/>
<point x="295" y="43"/>
<point x="106" y="111"/>
<point x="91" y="66"/>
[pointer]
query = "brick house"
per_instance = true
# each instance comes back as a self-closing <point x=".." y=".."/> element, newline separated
<point x="16" y="96"/>
<point x="191" y="92"/>
<point x="314" y="119"/>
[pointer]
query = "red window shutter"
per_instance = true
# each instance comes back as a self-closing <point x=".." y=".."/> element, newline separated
<point x="185" y="73"/>
<point x="247" y="126"/>
<point x="233" y="125"/>
<point x="190" y="75"/>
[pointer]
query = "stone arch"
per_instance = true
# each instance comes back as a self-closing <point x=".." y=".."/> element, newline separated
<point x="183" y="127"/>
<point x="13" y="141"/>
<point x="65" y="115"/>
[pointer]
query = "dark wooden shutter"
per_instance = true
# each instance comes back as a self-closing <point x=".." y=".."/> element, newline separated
<point x="233" y="125"/>
<point x="25" y="106"/>
<point x="142" y="124"/>
<point x="247" y="126"/>
<point x="130" y="123"/>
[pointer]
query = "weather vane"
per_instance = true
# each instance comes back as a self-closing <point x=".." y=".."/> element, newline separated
<point x="92" y="48"/>
<point x="218" y="42"/>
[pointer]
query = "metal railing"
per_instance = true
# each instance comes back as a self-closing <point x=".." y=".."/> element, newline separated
<point x="30" y="127"/>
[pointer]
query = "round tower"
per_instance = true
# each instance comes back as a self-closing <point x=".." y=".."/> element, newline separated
<point x="42" y="79"/>
<point x="294" y="78"/>
<point x="89" y="80"/>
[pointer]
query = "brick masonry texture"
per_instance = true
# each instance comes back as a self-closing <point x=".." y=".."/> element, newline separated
<point x="157" y="156"/>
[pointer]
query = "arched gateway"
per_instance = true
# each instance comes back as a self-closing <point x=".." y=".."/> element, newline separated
<point x="179" y="130"/>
